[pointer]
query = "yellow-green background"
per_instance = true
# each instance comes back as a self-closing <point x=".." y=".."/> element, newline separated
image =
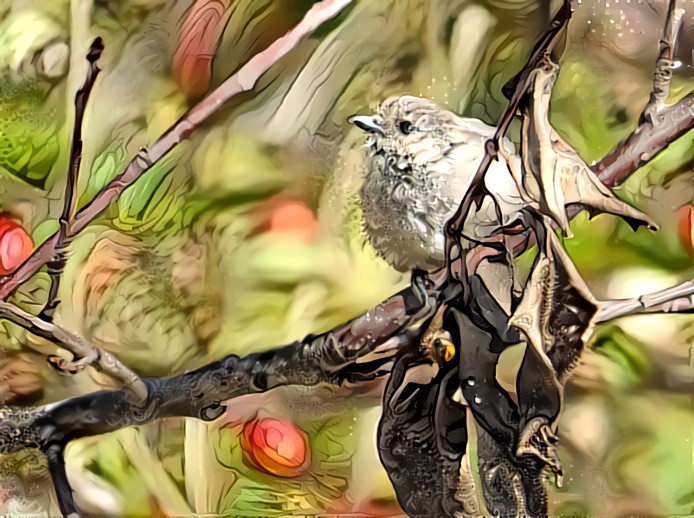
<point x="182" y="269"/>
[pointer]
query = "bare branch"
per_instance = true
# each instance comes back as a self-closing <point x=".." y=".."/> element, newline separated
<point x="659" y="124"/>
<point x="646" y="142"/>
<point x="356" y="351"/>
<point x="85" y="353"/>
<point x="541" y="52"/>
<point x="242" y="81"/>
<point x="676" y="299"/>
<point x="663" y="67"/>
<point x="55" y="267"/>
<point x="63" y="491"/>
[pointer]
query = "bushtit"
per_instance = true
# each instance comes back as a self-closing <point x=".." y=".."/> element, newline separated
<point x="420" y="161"/>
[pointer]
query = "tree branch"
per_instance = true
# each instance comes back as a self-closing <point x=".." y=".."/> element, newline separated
<point x="676" y="299"/>
<point x="84" y="352"/>
<point x="662" y="75"/>
<point x="646" y="142"/>
<point x="659" y="125"/>
<point x="55" y="267"/>
<point x="350" y="353"/>
<point x="242" y="81"/>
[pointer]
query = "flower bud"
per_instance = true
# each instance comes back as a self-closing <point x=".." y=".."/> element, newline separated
<point x="295" y="219"/>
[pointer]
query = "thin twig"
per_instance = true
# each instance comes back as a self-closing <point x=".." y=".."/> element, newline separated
<point x="646" y="142"/>
<point x="242" y="81"/>
<point x="541" y="52"/>
<point x="56" y="267"/>
<point x="676" y="299"/>
<point x="63" y="491"/>
<point x="662" y="76"/>
<point x="85" y="353"/>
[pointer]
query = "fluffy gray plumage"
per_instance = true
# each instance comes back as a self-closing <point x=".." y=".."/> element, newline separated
<point x="420" y="160"/>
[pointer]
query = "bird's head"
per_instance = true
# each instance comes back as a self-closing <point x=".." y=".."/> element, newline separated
<point x="408" y="132"/>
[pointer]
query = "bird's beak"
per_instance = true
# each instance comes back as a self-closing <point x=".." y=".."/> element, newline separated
<point x="366" y="123"/>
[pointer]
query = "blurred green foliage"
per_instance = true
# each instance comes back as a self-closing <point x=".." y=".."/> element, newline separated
<point x="195" y="261"/>
<point x="29" y="145"/>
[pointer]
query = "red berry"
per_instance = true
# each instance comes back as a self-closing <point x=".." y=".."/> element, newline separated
<point x="15" y="244"/>
<point x="276" y="447"/>
<point x="295" y="219"/>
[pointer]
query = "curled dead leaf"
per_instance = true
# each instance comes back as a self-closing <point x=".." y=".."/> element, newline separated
<point x="553" y="175"/>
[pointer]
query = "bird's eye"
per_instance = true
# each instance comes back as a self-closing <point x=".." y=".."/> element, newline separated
<point x="406" y="127"/>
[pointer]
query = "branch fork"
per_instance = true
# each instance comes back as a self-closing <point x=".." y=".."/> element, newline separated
<point x="57" y="264"/>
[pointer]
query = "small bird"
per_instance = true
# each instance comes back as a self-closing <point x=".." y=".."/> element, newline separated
<point x="420" y="162"/>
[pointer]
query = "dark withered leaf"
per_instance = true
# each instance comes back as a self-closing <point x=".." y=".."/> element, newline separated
<point x="422" y="438"/>
<point x="556" y="314"/>
<point x="557" y="309"/>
